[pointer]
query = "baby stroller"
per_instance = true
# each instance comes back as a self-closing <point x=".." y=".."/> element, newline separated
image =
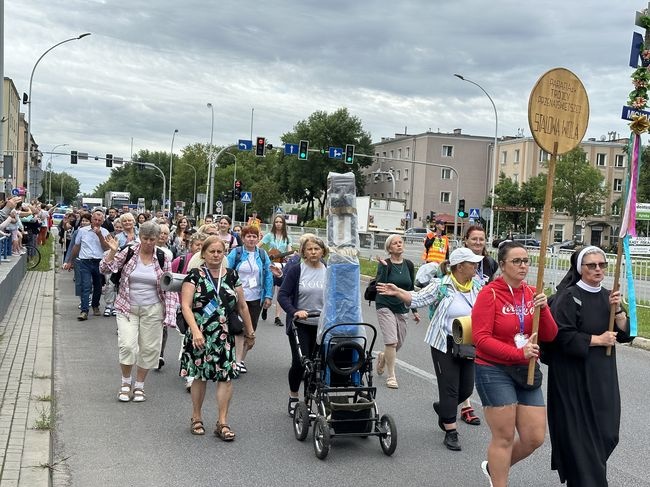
<point x="339" y="398"/>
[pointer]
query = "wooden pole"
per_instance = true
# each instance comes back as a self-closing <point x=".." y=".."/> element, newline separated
<point x="615" y="287"/>
<point x="546" y="217"/>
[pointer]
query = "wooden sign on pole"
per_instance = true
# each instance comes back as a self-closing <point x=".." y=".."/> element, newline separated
<point x="558" y="114"/>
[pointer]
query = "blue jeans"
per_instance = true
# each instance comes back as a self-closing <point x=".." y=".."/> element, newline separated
<point x="496" y="388"/>
<point x="90" y="278"/>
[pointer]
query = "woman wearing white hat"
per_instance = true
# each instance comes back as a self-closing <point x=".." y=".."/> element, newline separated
<point x="452" y="296"/>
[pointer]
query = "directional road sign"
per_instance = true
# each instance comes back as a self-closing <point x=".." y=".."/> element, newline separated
<point x="290" y="149"/>
<point x="246" y="197"/>
<point x="474" y="213"/>
<point x="336" y="153"/>
<point x="244" y="144"/>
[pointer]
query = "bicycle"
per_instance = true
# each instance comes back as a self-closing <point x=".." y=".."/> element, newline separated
<point x="33" y="256"/>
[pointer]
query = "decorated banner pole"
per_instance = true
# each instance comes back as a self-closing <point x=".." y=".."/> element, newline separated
<point x="558" y="114"/>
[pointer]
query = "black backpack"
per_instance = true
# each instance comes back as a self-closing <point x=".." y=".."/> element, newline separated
<point x="116" y="276"/>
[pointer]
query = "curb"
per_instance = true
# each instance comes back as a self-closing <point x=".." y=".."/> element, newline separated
<point x="640" y="342"/>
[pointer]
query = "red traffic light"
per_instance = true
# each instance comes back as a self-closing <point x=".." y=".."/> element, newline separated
<point x="238" y="184"/>
<point x="260" y="146"/>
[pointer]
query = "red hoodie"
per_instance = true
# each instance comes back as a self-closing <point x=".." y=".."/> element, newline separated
<point x="495" y="322"/>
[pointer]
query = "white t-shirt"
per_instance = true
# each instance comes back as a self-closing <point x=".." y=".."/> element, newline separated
<point x="249" y="274"/>
<point x="143" y="284"/>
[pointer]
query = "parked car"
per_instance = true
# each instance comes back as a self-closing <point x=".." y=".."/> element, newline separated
<point x="416" y="234"/>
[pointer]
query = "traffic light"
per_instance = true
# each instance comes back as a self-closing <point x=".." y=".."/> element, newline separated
<point x="73" y="157"/>
<point x="303" y="152"/>
<point x="237" y="193"/>
<point x="349" y="153"/>
<point x="109" y="160"/>
<point x="461" y="209"/>
<point x="260" y="147"/>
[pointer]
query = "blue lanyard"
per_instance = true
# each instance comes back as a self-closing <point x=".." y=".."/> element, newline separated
<point x="519" y="309"/>
<point x="462" y="295"/>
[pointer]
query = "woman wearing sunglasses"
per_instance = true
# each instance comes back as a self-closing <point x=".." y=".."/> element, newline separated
<point x="502" y="322"/>
<point x="584" y="404"/>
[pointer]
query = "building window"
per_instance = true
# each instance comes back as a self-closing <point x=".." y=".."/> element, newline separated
<point x="392" y="154"/>
<point x="447" y="151"/>
<point x="375" y="194"/>
<point x="408" y="152"/>
<point x="399" y="153"/>
<point x="601" y="159"/>
<point x="383" y="154"/>
<point x="406" y="173"/>
<point x="619" y="160"/>
<point x="515" y="178"/>
<point x="599" y="210"/>
<point x="398" y="173"/>
<point x="558" y="233"/>
<point x="396" y="195"/>
<point x="516" y="161"/>
<point x="445" y="197"/>
<point x="445" y="173"/>
<point x="390" y="195"/>
<point x="616" y="209"/>
<point x="504" y="157"/>
<point x="383" y="195"/>
<point x="618" y="185"/>
<point x="543" y="155"/>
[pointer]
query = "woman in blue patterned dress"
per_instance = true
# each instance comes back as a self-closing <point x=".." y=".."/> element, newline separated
<point x="209" y="293"/>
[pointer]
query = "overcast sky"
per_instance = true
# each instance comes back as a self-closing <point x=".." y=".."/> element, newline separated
<point x="151" y="66"/>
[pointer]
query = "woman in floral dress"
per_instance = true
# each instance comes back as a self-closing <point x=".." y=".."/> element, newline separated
<point x="209" y="293"/>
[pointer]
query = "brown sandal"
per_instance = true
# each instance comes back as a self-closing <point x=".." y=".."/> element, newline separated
<point x="227" y="435"/>
<point x="197" y="427"/>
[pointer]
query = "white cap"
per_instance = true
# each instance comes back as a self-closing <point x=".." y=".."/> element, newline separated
<point x="463" y="254"/>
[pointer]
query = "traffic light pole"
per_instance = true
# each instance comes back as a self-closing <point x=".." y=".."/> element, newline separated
<point x="424" y="163"/>
<point x="214" y="170"/>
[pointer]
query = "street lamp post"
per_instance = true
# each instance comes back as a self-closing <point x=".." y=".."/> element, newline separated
<point x="171" y="164"/>
<point x="29" y="107"/>
<point x="49" y="186"/>
<point x="194" y="199"/>
<point x="162" y="174"/>
<point x="209" y="183"/>
<point x="494" y="152"/>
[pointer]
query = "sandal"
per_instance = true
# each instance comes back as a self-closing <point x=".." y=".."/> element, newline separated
<point x="467" y="415"/>
<point x="391" y="383"/>
<point x="197" y="427"/>
<point x="381" y="363"/>
<point x="124" y="395"/>
<point x="139" y="396"/>
<point x="224" y="433"/>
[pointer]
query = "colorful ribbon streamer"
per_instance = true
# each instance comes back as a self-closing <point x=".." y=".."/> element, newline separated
<point x="631" y="293"/>
<point x="628" y="222"/>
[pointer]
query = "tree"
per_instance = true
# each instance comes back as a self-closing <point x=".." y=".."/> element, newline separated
<point x="578" y="188"/>
<point x="529" y="195"/>
<point x="62" y="185"/>
<point x="306" y="181"/>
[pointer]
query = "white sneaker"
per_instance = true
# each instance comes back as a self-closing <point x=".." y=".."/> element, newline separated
<point x="484" y="468"/>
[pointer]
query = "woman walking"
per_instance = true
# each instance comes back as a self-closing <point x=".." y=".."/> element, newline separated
<point x="143" y="308"/>
<point x="254" y="268"/>
<point x="584" y="402"/>
<point x="391" y="312"/>
<point x="129" y="233"/>
<point x="276" y="242"/>
<point x="502" y="322"/>
<point x="210" y="294"/>
<point x="179" y="236"/>
<point x="226" y="235"/>
<point x="452" y="296"/>
<point x="303" y="290"/>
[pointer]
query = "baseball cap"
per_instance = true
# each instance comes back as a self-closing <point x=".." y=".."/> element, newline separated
<point x="463" y="254"/>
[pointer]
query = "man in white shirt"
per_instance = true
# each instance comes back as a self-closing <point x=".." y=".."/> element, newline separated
<point x="87" y="252"/>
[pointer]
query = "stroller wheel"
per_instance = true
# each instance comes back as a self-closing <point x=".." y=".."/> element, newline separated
<point x="388" y="438"/>
<point x="321" y="438"/>
<point x="301" y="421"/>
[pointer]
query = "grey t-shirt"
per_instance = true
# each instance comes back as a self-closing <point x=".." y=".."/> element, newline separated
<point x="311" y="289"/>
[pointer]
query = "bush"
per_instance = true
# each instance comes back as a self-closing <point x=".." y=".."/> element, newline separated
<point x="317" y="223"/>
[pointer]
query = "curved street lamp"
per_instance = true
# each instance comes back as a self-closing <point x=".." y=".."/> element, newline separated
<point x="29" y="108"/>
<point x="49" y="186"/>
<point x="171" y="163"/>
<point x="194" y="199"/>
<point x="494" y="153"/>
<point x="209" y="185"/>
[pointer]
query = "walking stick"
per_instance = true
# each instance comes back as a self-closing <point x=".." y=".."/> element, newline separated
<point x="617" y="276"/>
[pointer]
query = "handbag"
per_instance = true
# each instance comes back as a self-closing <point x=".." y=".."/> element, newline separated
<point x="463" y="350"/>
<point x="181" y="324"/>
<point x="235" y="323"/>
<point x="370" y="294"/>
<point x="519" y="374"/>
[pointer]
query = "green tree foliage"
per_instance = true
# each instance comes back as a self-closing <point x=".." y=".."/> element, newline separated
<point x="643" y="190"/>
<point x="578" y="188"/>
<point x="306" y="181"/>
<point x="61" y="183"/>
<point x="529" y="195"/>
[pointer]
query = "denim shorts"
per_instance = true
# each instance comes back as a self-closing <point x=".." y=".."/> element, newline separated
<point x="496" y="388"/>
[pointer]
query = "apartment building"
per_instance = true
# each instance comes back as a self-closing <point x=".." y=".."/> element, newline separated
<point x="431" y="171"/>
<point x="520" y="158"/>
<point x="10" y="127"/>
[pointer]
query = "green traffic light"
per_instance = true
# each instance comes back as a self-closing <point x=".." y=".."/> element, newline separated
<point x="303" y="155"/>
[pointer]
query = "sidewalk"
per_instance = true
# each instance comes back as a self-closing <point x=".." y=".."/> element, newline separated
<point x="26" y="417"/>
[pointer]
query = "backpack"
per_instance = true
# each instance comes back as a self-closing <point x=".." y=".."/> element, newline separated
<point x="116" y="276"/>
<point x="238" y="253"/>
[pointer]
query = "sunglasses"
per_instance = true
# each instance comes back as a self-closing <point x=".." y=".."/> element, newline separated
<point x="517" y="261"/>
<point x="592" y="265"/>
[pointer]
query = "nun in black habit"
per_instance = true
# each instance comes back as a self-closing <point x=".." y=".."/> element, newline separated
<point x="584" y="404"/>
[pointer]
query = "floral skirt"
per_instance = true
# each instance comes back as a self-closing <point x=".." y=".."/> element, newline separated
<point x="216" y="361"/>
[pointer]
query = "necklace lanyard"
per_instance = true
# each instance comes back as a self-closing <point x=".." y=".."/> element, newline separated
<point x="519" y="310"/>
<point x="207" y="273"/>
<point x="462" y="295"/>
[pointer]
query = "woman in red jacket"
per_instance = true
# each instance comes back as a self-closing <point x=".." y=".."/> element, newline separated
<point x="502" y="321"/>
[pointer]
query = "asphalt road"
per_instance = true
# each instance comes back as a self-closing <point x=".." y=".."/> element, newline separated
<point x="101" y="442"/>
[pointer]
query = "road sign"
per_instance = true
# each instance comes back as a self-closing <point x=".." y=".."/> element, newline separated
<point x="246" y="197"/>
<point x="279" y="210"/>
<point x="244" y="144"/>
<point x="474" y="213"/>
<point x="291" y="149"/>
<point x="18" y="192"/>
<point x="336" y="153"/>
<point x="629" y="112"/>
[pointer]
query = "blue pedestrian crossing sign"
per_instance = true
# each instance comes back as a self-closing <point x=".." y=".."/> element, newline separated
<point x="246" y="197"/>
<point x="244" y="144"/>
<point x="290" y="149"/>
<point x="474" y="213"/>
